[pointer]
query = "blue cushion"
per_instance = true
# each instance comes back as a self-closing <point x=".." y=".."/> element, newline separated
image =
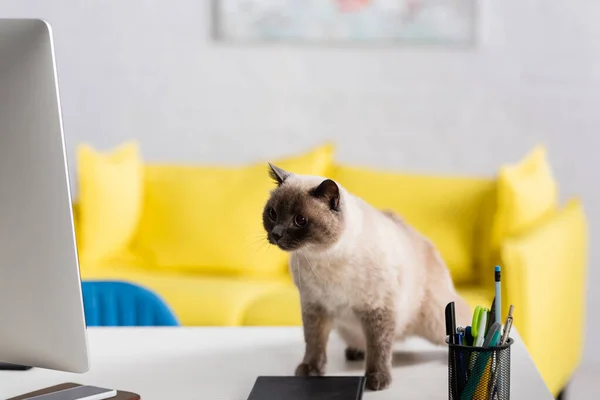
<point x="114" y="303"/>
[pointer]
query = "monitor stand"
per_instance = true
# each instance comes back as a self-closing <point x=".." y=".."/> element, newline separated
<point x="12" y="367"/>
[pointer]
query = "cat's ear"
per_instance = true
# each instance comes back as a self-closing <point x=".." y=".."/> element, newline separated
<point x="277" y="174"/>
<point x="329" y="192"/>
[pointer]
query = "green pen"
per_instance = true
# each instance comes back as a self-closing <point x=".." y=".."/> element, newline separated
<point x="475" y="322"/>
<point x="478" y="331"/>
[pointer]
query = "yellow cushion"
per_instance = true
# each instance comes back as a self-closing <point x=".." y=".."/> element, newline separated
<point x="546" y="277"/>
<point x="205" y="219"/>
<point x="281" y="306"/>
<point x="527" y="193"/>
<point x="109" y="206"/>
<point x="448" y="210"/>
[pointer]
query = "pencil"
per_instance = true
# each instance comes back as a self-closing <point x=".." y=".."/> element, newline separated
<point x="498" y="294"/>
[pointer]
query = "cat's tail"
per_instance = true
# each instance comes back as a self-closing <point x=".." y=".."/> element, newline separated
<point x="432" y="324"/>
<point x="440" y="291"/>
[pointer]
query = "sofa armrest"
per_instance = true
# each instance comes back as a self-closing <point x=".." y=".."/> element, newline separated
<point x="544" y="277"/>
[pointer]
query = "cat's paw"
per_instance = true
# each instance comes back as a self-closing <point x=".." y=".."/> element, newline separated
<point x="378" y="380"/>
<point x="353" y="354"/>
<point x="305" y="369"/>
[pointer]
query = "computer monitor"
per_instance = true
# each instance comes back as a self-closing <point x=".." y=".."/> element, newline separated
<point x="42" y="321"/>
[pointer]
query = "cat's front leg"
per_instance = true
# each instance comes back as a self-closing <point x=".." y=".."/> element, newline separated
<point x="317" y="322"/>
<point x="379" y="326"/>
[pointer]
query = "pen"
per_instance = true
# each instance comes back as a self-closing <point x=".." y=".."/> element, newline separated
<point x="507" y="325"/>
<point x="468" y="336"/>
<point x="451" y="323"/>
<point x="475" y="322"/>
<point x="498" y="295"/>
<point x="495" y="329"/>
<point x="463" y="370"/>
<point x="453" y="338"/>
<point x="490" y="321"/>
<point x="481" y="329"/>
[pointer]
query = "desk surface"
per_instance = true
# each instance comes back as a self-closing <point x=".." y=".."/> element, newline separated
<point x="223" y="363"/>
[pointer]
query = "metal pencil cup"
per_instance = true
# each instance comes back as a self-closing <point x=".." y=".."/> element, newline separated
<point x="479" y="373"/>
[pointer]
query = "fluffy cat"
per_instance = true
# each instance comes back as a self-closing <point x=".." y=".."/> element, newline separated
<point x="360" y="271"/>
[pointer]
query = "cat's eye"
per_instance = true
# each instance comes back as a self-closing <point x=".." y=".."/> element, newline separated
<point x="272" y="214"/>
<point x="300" y="220"/>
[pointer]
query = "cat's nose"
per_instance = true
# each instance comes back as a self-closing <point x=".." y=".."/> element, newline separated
<point x="276" y="235"/>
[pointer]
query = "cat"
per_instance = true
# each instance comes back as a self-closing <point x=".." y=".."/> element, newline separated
<point x="362" y="271"/>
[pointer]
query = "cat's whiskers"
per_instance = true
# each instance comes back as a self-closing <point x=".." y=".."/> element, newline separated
<point x="265" y="249"/>
<point x="258" y="240"/>
<point x="260" y="246"/>
<point x="263" y="246"/>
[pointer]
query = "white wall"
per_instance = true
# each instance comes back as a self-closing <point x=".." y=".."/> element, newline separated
<point x="149" y="69"/>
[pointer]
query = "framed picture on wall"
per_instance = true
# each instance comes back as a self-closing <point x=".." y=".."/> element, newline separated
<point x="346" y="21"/>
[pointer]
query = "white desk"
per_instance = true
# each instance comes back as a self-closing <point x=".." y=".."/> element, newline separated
<point x="223" y="363"/>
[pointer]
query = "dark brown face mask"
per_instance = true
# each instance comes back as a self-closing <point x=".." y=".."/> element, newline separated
<point x="296" y="215"/>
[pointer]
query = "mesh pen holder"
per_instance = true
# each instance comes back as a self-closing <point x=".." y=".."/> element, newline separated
<point x="479" y="373"/>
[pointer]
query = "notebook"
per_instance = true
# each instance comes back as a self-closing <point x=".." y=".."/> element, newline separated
<point x="121" y="395"/>
<point x="309" y="388"/>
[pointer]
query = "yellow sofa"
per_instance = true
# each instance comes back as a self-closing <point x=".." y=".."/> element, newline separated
<point x="193" y="235"/>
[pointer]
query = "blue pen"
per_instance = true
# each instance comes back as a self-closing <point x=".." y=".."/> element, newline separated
<point x="463" y="370"/>
<point x="498" y="294"/>
<point x="468" y="336"/>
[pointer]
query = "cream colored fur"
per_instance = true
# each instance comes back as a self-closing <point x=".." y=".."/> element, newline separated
<point x="378" y="262"/>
